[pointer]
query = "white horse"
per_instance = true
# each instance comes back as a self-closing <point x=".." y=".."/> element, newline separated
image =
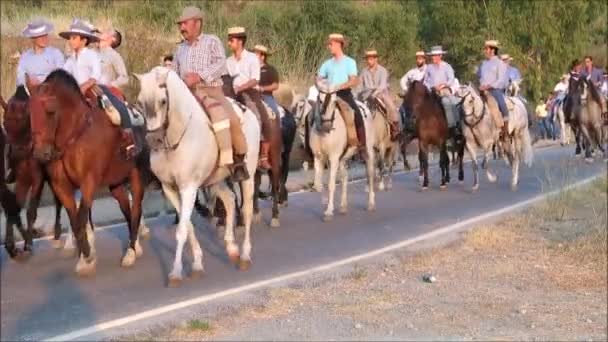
<point x="184" y="157"/>
<point x="332" y="145"/>
<point x="566" y="132"/>
<point x="480" y="131"/>
<point x="385" y="148"/>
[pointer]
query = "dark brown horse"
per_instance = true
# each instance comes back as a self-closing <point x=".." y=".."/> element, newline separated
<point x="82" y="150"/>
<point x="30" y="174"/>
<point x="8" y="204"/>
<point x="431" y="129"/>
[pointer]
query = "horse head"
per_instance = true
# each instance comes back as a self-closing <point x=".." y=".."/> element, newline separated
<point x="325" y="108"/>
<point x="153" y="98"/>
<point x="16" y="117"/>
<point x="471" y="104"/>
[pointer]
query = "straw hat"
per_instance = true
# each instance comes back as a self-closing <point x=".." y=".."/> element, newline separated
<point x="261" y="49"/>
<point x="491" y="43"/>
<point x="237" y="32"/>
<point x="190" y="12"/>
<point x="336" y="37"/>
<point x="81" y="28"/>
<point x="506" y="57"/>
<point x="371" y="53"/>
<point x="436" y="50"/>
<point x="37" y="28"/>
<point x="420" y="54"/>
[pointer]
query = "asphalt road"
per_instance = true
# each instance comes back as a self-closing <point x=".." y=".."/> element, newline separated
<point x="43" y="297"/>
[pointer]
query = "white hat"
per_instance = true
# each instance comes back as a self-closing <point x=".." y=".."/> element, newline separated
<point x="371" y="53"/>
<point x="81" y="28"/>
<point x="491" y="43"/>
<point x="506" y="57"/>
<point x="237" y="32"/>
<point x="436" y="50"/>
<point x="261" y="48"/>
<point x="37" y="29"/>
<point x="336" y="37"/>
<point x="190" y="12"/>
<point x="420" y="53"/>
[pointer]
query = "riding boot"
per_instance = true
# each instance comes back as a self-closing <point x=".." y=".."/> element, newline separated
<point x="362" y="143"/>
<point x="239" y="169"/>
<point x="395" y="130"/>
<point x="263" y="162"/>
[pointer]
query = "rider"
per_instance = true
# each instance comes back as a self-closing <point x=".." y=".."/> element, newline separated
<point x="113" y="69"/>
<point x="439" y="77"/>
<point x="244" y="69"/>
<point x="341" y="71"/>
<point x="512" y="72"/>
<point x="374" y="81"/>
<point x="84" y="64"/>
<point x="414" y="74"/>
<point x="35" y="63"/>
<point x="269" y="78"/>
<point x="493" y="80"/>
<point x="200" y="60"/>
<point x="594" y="75"/>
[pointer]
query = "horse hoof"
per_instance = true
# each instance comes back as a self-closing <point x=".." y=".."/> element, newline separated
<point x="244" y="265"/>
<point x="380" y="187"/>
<point x="274" y="223"/>
<point x="475" y="188"/>
<point x="234" y="258"/>
<point x="443" y="187"/>
<point x="138" y="250"/>
<point x="174" y="282"/>
<point x="589" y="160"/>
<point x="22" y="255"/>
<point x="514" y="187"/>
<point x="257" y="218"/>
<point x="371" y="207"/>
<point x="37" y="233"/>
<point x="68" y="252"/>
<point x="343" y="210"/>
<point x="56" y="244"/>
<point x="328" y="218"/>
<point x="424" y="188"/>
<point x="86" y="268"/>
<point x="197" y="274"/>
<point x="129" y="259"/>
<point x="461" y="182"/>
<point x="492" y="178"/>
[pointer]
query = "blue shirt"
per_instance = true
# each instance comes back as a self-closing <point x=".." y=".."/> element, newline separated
<point x="493" y="72"/>
<point x="596" y="76"/>
<point x="513" y="74"/>
<point x="39" y="66"/>
<point x="337" y="71"/>
<point x="436" y="74"/>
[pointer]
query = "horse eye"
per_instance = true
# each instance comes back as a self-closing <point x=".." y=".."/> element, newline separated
<point x="163" y="102"/>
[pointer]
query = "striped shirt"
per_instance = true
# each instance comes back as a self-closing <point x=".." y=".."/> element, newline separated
<point x="205" y="56"/>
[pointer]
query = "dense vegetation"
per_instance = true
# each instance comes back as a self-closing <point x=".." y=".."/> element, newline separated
<point x="542" y="36"/>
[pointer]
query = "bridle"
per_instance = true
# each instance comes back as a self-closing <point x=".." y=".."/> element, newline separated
<point x="323" y="109"/>
<point x="472" y="113"/>
<point x="164" y="127"/>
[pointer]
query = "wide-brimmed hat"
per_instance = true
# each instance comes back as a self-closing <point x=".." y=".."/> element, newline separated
<point x="436" y="50"/>
<point x="261" y="49"/>
<point x="420" y="54"/>
<point x="491" y="43"/>
<point x="37" y="28"/>
<point x="81" y="28"/>
<point x="371" y="53"/>
<point x="190" y="12"/>
<point x="337" y="37"/>
<point x="506" y="57"/>
<point x="237" y="32"/>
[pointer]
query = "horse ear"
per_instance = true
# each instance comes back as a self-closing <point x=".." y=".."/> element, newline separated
<point x="161" y="78"/>
<point x="3" y="104"/>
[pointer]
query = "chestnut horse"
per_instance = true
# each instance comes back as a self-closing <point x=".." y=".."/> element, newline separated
<point x="431" y="130"/>
<point x="81" y="149"/>
<point x="30" y="174"/>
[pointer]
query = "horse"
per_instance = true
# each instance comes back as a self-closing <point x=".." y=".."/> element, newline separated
<point x="11" y="208"/>
<point x="81" y="149"/>
<point x="586" y="114"/>
<point x="178" y="129"/>
<point x="385" y="148"/>
<point x="328" y="141"/>
<point x="431" y="129"/>
<point x="30" y="174"/>
<point x="565" y="129"/>
<point x="481" y="131"/>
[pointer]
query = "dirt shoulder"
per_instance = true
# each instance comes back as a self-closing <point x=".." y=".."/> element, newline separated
<point x="535" y="275"/>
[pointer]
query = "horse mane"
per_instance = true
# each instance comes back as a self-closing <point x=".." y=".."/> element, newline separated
<point x="21" y="94"/>
<point x="64" y="78"/>
<point x="593" y="90"/>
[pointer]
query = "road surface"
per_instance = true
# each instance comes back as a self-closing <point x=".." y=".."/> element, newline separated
<point x="43" y="298"/>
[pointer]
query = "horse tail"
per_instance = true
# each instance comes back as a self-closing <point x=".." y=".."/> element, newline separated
<point x="527" y="151"/>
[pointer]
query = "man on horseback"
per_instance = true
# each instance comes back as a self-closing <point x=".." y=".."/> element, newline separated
<point x="244" y="69"/>
<point x="439" y="78"/>
<point x="374" y="81"/>
<point x="493" y="80"/>
<point x="35" y="64"/>
<point x="200" y="60"/>
<point x="85" y="65"/>
<point x="269" y="78"/>
<point x="594" y="75"/>
<point x="113" y="69"/>
<point x="340" y="72"/>
<point x="414" y="74"/>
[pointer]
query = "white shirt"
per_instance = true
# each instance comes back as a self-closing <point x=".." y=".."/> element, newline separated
<point x="245" y="69"/>
<point x="561" y="87"/>
<point x="39" y="66"/>
<point x="85" y="66"/>
<point x="415" y="74"/>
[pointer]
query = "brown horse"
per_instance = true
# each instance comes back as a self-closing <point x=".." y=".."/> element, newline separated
<point x="82" y="150"/>
<point x="431" y="129"/>
<point x="8" y="203"/>
<point x="30" y="174"/>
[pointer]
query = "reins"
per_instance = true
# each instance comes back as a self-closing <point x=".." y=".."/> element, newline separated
<point x="165" y="126"/>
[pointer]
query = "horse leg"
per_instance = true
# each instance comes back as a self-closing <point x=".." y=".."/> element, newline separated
<point x="22" y="187"/>
<point x="57" y="226"/>
<point x="473" y="154"/>
<point x="318" y="182"/>
<point x="275" y="179"/>
<point x="247" y="209"/>
<point x="371" y="194"/>
<point x="444" y="165"/>
<point x="257" y="216"/>
<point x="391" y="165"/>
<point x="380" y="167"/>
<point x="9" y="204"/>
<point x="587" y="139"/>
<point x="137" y="195"/>
<point x="121" y="194"/>
<point x="185" y="206"/>
<point x="403" y="147"/>
<point x="227" y="197"/>
<point x="423" y="159"/>
<point x="344" y="180"/>
<point x="517" y="156"/>
<point x="331" y="185"/>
